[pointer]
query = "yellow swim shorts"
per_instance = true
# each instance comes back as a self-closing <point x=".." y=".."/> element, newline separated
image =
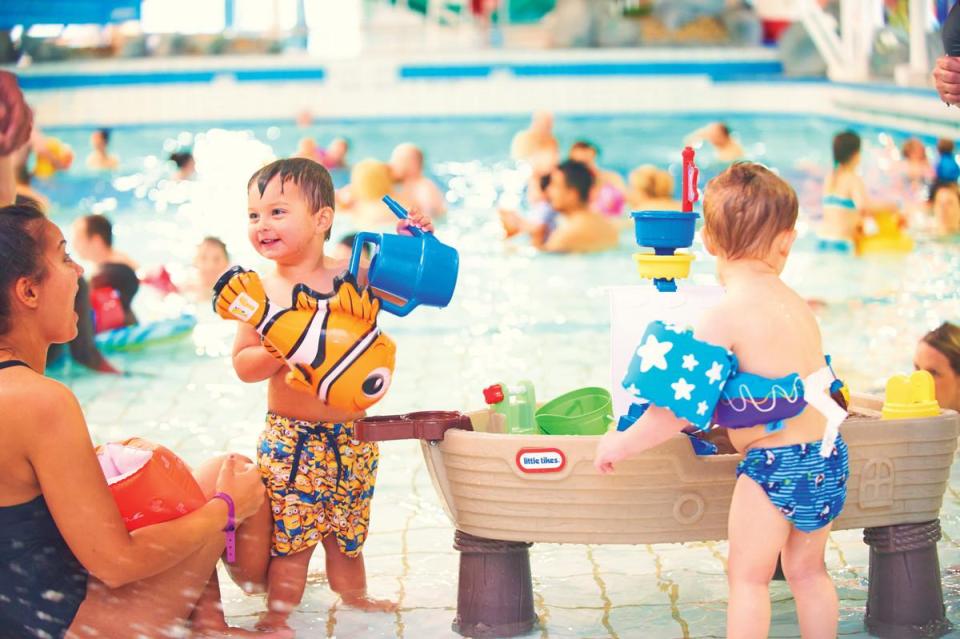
<point x="319" y="481"/>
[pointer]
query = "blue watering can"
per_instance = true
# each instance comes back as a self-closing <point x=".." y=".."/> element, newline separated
<point x="419" y="269"/>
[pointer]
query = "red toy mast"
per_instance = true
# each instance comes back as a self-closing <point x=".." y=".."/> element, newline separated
<point x="690" y="176"/>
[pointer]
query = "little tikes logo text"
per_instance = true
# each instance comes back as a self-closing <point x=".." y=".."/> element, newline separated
<point x="541" y="460"/>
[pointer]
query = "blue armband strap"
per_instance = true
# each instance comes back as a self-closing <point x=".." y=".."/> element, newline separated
<point x="674" y="370"/>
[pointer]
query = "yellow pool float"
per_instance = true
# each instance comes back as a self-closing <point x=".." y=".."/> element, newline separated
<point x="888" y="236"/>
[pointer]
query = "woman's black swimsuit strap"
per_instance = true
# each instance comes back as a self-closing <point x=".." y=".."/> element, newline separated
<point x="10" y="363"/>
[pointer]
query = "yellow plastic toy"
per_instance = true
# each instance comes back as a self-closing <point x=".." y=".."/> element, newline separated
<point x="889" y="236"/>
<point x="651" y="266"/>
<point x="52" y="156"/>
<point x="910" y="397"/>
<point x="335" y="351"/>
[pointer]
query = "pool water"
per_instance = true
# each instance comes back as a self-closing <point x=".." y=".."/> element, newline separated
<point x="516" y="315"/>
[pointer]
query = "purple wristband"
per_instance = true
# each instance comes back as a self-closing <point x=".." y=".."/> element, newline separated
<point x="230" y="528"/>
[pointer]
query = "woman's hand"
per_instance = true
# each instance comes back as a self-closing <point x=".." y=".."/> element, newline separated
<point x="242" y="482"/>
<point x="16" y="119"/>
<point x="610" y="451"/>
<point x="415" y="219"/>
<point x="946" y="75"/>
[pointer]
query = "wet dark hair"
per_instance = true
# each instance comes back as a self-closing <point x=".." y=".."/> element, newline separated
<point x="946" y="339"/>
<point x="846" y="144"/>
<point x="216" y="241"/>
<point x="945" y="145"/>
<point x="312" y="178"/>
<point x="585" y="145"/>
<point x="106" y="135"/>
<point x="723" y="127"/>
<point x="99" y="226"/>
<point x="181" y="158"/>
<point x="544" y="182"/>
<point x="578" y="177"/>
<point x="21" y="252"/>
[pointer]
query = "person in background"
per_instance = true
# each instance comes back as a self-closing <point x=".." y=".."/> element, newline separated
<point x="945" y="206"/>
<point x="413" y="188"/>
<point x="186" y="165"/>
<point x="100" y="159"/>
<point x="608" y="195"/>
<point x="210" y="262"/>
<point x="947" y="168"/>
<point x="938" y="353"/>
<point x="719" y="136"/>
<point x="541" y="221"/>
<point x="332" y="157"/>
<point x="536" y="140"/>
<point x="93" y="242"/>
<point x="579" y="229"/>
<point x="651" y="189"/>
<point x="370" y="180"/>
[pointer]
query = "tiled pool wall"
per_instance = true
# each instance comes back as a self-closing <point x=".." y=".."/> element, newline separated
<point x="463" y="84"/>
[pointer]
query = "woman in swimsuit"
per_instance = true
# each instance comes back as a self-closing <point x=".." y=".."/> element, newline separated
<point x="68" y="566"/>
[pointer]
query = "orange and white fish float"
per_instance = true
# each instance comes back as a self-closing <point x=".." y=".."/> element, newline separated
<point x="333" y="346"/>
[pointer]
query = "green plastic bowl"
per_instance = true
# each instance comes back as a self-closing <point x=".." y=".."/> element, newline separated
<point x="585" y="411"/>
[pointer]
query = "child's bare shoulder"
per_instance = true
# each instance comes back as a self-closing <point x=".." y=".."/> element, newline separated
<point x="716" y="326"/>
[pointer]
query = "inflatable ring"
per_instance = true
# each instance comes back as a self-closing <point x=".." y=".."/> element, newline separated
<point x="148" y="482"/>
<point x="889" y="237"/>
<point x="139" y="336"/>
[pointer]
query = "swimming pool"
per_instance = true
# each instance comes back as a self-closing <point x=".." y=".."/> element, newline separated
<point x="516" y="315"/>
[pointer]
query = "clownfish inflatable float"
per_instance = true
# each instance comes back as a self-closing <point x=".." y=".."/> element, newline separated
<point x="148" y="482"/>
<point x="335" y="350"/>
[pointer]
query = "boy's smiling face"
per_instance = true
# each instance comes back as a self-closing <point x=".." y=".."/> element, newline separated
<point x="281" y="224"/>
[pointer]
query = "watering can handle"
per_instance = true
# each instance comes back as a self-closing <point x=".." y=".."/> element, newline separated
<point x="358" y="242"/>
<point x="401" y="213"/>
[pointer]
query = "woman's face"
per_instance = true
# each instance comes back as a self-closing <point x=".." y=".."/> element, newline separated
<point x="57" y="291"/>
<point x="945" y="379"/>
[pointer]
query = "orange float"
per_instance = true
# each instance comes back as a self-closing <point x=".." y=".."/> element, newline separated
<point x="149" y="482"/>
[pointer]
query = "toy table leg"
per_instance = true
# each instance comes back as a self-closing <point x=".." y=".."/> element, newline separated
<point x="905" y="596"/>
<point x="495" y="595"/>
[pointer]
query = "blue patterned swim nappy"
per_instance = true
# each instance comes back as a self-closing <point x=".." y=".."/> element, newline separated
<point x="808" y="489"/>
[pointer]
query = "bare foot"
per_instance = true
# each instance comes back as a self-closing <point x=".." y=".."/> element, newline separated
<point x="273" y="622"/>
<point x="363" y="601"/>
<point x="227" y="631"/>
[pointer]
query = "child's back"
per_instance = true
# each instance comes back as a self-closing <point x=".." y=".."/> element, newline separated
<point x="773" y="333"/>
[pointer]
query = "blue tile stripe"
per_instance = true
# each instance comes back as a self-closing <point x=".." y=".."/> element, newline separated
<point x="40" y="82"/>
<point x="715" y="70"/>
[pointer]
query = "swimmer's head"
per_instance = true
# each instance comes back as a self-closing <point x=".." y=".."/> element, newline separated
<point x="290" y="206"/>
<point x="945" y="146"/>
<point x="584" y="152"/>
<point x="749" y="213"/>
<point x="846" y="148"/>
<point x="570" y="186"/>
<point x="212" y="258"/>
<point x="406" y="161"/>
<point x="370" y="180"/>
<point x="186" y="165"/>
<point x="651" y="182"/>
<point x="718" y="134"/>
<point x="913" y="150"/>
<point x="38" y="279"/>
<point x="336" y="153"/>
<point x="92" y="236"/>
<point x="100" y="139"/>
<point x="939" y="354"/>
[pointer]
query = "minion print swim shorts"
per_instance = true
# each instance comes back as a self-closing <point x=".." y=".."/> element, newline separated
<point x="319" y="481"/>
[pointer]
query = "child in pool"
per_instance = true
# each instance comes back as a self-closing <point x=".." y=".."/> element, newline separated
<point x="791" y="483"/>
<point x="319" y="479"/>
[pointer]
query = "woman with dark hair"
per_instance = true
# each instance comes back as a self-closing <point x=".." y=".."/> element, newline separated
<point x="68" y="565"/>
<point x="939" y="354"/>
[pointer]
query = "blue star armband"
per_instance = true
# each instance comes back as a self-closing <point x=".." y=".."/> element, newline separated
<point x="673" y="369"/>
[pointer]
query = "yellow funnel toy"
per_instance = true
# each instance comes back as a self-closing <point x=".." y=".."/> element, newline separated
<point x="910" y="397"/>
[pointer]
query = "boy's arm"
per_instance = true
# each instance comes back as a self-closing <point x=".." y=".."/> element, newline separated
<point x="251" y="360"/>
